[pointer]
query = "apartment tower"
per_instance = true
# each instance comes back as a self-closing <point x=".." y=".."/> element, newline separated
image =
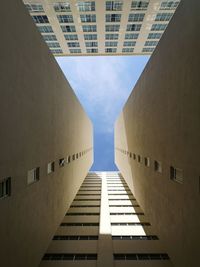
<point x="105" y="226"/>
<point x="119" y="27"/>
<point x="54" y="212"/>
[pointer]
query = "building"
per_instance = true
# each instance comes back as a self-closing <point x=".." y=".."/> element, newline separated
<point x="119" y="27"/>
<point x="47" y="150"/>
<point x="105" y="226"/>
<point x="46" y="141"/>
<point x="157" y="137"/>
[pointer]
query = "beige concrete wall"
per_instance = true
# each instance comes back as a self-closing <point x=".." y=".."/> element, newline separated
<point x="41" y="121"/>
<point x="161" y="120"/>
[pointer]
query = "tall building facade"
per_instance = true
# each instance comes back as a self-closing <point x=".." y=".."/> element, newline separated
<point x="119" y="27"/>
<point x="157" y="137"/>
<point x="105" y="226"/>
<point x="46" y="141"/>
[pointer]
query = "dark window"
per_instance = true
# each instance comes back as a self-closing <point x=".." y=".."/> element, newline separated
<point x="61" y="162"/>
<point x="70" y="257"/>
<point x="79" y="224"/>
<point x="5" y="187"/>
<point x="176" y="174"/>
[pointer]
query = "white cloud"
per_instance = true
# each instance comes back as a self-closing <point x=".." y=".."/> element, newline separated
<point x="100" y="83"/>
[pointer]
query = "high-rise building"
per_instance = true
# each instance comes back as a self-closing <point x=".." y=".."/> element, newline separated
<point x="146" y="215"/>
<point x="119" y="27"/>
<point x="105" y="226"/>
<point x="157" y="139"/>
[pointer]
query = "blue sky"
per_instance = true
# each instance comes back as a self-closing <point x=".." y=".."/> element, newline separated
<point x="103" y="85"/>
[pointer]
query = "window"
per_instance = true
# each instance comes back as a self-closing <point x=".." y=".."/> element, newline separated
<point x="129" y="43"/>
<point x="141" y="256"/>
<point x="50" y="167"/>
<point x="147" y="161"/>
<point x="131" y="35"/>
<point x="158" y="166"/>
<point x="130" y="224"/>
<point x="73" y="157"/>
<point x="45" y="29"/>
<point x="34" y="8"/>
<point x="5" y="187"/>
<point x="169" y="5"/>
<point x="68" y="28"/>
<point x="75" y="51"/>
<point x="82" y="214"/>
<point x="40" y="19"/>
<point x="71" y="37"/>
<point x="88" y="18"/>
<point x="62" y="7"/>
<point x="176" y="174"/>
<point x="91" y="44"/>
<point x="68" y="157"/>
<point x="92" y="50"/>
<point x="133" y="27"/>
<point x="53" y="44"/>
<point x="111" y="43"/>
<point x="56" y="51"/>
<point x="112" y="36"/>
<point x="114" y="5"/>
<point x="139" y="5"/>
<point x="113" y="17"/>
<point x="111" y="50"/>
<point x="62" y="162"/>
<point x="148" y="49"/>
<point x="112" y="28"/>
<point x="158" y="27"/>
<point x="136" y="17"/>
<point x="49" y="37"/>
<point x="73" y="44"/>
<point x="68" y="257"/>
<point x="151" y="43"/>
<point x="86" y="6"/>
<point x="90" y="36"/>
<point x="139" y="158"/>
<point x="79" y="224"/>
<point x="127" y="50"/>
<point x="33" y="175"/>
<point x="75" y="237"/>
<point x="89" y="28"/>
<point x="65" y="18"/>
<point x="154" y="35"/>
<point x="135" y="237"/>
<point x="77" y="155"/>
<point x="163" y="16"/>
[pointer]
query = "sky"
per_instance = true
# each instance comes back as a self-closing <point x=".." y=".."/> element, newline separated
<point x="103" y="85"/>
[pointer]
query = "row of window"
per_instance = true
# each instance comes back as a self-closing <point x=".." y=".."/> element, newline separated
<point x="69" y="257"/>
<point x="141" y="256"/>
<point x="135" y="237"/>
<point x="109" y="6"/>
<point x="96" y="237"/>
<point x="79" y="224"/>
<point x="126" y="213"/>
<point x="33" y="175"/>
<point x="175" y="173"/>
<point x="88" y="194"/>
<point x="75" y="237"/>
<point x="108" y="18"/>
<point x="75" y="257"/>
<point x="136" y="205"/>
<point x="93" y="28"/>
<point x="84" y="206"/>
<point x="88" y="199"/>
<point x="82" y="214"/>
<point x="131" y="224"/>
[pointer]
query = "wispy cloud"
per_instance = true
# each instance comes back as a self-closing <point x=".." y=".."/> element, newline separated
<point x="102" y="85"/>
